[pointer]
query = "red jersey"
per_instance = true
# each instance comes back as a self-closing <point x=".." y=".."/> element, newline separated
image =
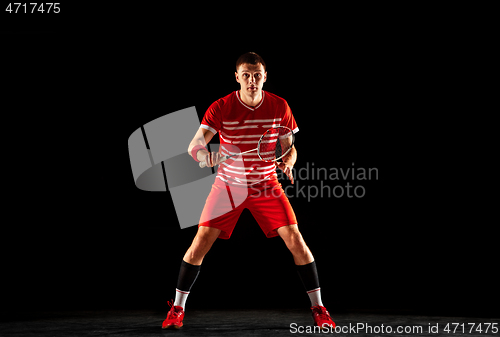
<point x="240" y="128"/>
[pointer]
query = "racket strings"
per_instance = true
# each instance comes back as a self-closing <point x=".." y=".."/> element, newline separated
<point x="275" y="143"/>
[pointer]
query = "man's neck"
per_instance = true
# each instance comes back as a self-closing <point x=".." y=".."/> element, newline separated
<point x="251" y="100"/>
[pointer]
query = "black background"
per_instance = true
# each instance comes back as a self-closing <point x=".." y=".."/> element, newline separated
<point x="380" y="93"/>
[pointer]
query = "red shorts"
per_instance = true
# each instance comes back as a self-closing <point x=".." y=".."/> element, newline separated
<point x="225" y="203"/>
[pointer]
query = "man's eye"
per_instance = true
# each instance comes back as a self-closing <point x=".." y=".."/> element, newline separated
<point x="257" y="75"/>
<point x="245" y="75"/>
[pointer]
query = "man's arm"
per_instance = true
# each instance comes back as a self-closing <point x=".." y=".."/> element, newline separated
<point x="203" y="137"/>
<point x="288" y="161"/>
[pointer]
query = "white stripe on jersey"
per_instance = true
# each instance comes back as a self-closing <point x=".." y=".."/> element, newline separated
<point x="269" y="141"/>
<point x="227" y="170"/>
<point x="234" y="167"/>
<point x="286" y="136"/>
<point x="267" y="153"/>
<point x="243" y="136"/>
<point x="262" y="120"/>
<point x="227" y="141"/>
<point x="241" y="179"/>
<point x="241" y="127"/>
<point x="233" y="182"/>
<point x="226" y="151"/>
<point x="248" y="168"/>
<point x="245" y="142"/>
<point x="266" y="167"/>
<point x="264" y="172"/>
<point x="253" y="172"/>
<point x="253" y="141"/>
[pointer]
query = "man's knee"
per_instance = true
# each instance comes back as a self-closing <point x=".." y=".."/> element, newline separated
<point x="203" y="241"/>
<point x="298" y="245"/>
<point x="292" y="237"/>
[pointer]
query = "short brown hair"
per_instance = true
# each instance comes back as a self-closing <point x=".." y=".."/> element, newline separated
<point x="250" y="58"/>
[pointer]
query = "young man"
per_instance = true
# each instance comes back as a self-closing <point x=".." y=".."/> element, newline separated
<point x="240" y="118"/>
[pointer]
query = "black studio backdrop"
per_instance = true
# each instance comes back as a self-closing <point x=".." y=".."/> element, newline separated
<point x="86" y="237"/>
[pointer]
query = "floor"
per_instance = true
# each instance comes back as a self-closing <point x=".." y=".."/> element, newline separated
<point x="236" y="323"/>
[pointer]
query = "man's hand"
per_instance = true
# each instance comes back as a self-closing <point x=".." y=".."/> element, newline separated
<point x="287" y="169"/>
<point x="210" y="158"/>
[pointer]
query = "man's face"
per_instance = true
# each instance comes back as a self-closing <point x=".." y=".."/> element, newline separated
<point x="251" y="78"/>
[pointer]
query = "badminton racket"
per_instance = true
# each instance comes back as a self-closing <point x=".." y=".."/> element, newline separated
<point x="273" y="145"/>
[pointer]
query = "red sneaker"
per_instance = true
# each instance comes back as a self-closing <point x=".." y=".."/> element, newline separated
<point x="174" y="317"/>
<point x="322" y="316"/>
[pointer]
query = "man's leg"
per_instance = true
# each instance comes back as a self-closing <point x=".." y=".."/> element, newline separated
<point x="191" y="263"/>
<point x="190" y="268"/>
<point x="306" y="267"/>
<point x="304" y="260"/>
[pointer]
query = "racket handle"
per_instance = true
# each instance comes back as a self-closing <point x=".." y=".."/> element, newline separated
<point x="222" y="159"/>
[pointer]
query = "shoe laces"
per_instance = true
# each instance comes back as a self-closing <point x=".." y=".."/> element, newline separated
<point x="172" y="313"/>
<point x="322" y="312"/>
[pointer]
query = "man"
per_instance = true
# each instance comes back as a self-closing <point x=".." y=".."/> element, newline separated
<point x="240" y="118"/>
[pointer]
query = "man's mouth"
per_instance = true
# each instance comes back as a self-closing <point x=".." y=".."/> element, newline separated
<point x="252" y="87"/>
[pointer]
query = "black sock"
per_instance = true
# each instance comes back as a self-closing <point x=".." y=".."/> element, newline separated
<point x="187" y="275"/>
<point x="309" y="275"/>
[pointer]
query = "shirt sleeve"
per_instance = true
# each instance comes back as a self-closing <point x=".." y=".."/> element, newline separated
<point x="289" y="120"/>
<point x="212" y="119"/>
